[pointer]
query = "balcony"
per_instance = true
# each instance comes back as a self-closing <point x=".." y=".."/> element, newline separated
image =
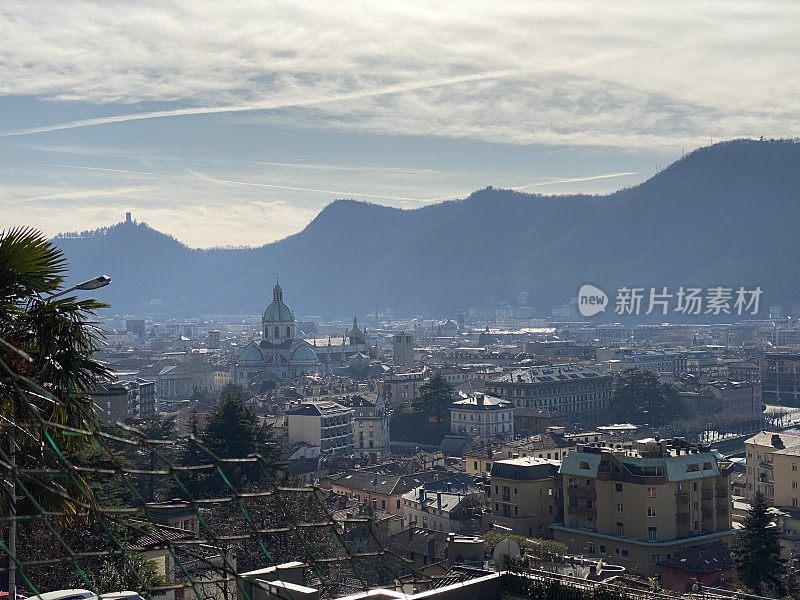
<point x="707" y="494"/>
<point x="722" y="511"/>
<point x="585" y="493"/>
<point x="708" y="513"/>
<point x="765" y="464"/>
<point x="682" y="518"/>
<point x="682" y="498"/>
<point x="583" y="511"/>
<point x="721" y="492"/>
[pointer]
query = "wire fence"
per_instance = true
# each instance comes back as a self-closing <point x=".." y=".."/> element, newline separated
<point x="130" y="512"/>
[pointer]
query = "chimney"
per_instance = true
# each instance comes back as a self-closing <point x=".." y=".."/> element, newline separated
<point x="439" y="500"/>
<point x="479" y="397"/>
<point x="432" y="548"/>
<point x="777" y="442"/>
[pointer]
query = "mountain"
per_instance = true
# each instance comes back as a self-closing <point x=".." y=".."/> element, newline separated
<point x="725" y="215"/>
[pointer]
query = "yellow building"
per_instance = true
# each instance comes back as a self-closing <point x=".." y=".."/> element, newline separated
<point x="640" y="505"/>
<point x="524" y="496"/>
<point x="773" y="467"/>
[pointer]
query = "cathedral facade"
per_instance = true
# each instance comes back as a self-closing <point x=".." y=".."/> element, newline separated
<point x="282" y="354"/>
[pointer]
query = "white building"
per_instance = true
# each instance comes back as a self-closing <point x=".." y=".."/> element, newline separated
<point x="324" y="423"/>
<point x="451" y="512"/>
<point x="485" y="417"/>
<point x="370" y="427"/>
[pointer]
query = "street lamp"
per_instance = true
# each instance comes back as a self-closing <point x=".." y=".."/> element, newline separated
<point x="89" y="284"/>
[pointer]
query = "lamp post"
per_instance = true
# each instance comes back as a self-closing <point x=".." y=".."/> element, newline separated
<point x="90" y="284"/>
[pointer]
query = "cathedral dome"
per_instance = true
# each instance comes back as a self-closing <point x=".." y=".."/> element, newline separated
<point x="304" y="354"/>
<point x="277" y="311"/>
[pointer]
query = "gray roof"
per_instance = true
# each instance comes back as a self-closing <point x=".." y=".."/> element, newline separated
<point x="527" y="468"/>
<point x="550" y="374"/>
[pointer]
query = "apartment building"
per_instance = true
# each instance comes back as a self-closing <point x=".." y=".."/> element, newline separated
<point x="773" y="467"/>
<point x="483" y="417"/>
<point x="641" y="505"/>
<point x="780" y="379"/>
<point x="553" y="444"/>
<point x="555" y="395"/>
<point x="741" y="398"/>
<point x="370" y="426"/>
<point x="524" y="495"/>
<point x="400" y="388"/>
<point x="322" y="423"/>
<point x="451" y="512"/>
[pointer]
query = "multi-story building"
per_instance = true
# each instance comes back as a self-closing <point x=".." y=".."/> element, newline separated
<point x="642" y="504"/>
<point x="483" y="417"/>
<point x="552" y="395"/>
<point x="524" y="496"/>
<point x="452" y="512"/>
<point x="322" y="423"/>
<point x="657" y="362"/>
<point x="553" y="444"/>
<point x="773" y="468"/>
<point x="113" y="400"/>
<point x="400" y="388"/>
<point x="370" y="426"/>
<point x="780" y="379"/>
<point x="744" y="370"/>
<point x="735" y="397"/>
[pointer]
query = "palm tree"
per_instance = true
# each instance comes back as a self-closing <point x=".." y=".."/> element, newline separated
<point x="47" y="371"/>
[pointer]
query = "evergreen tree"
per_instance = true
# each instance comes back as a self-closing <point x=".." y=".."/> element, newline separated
<point x="639" y="397"/>
<point x="757" y="554"/>
<point x="436" y="398"/>
<point x="190" y="483"/>
<point x="234" y="430"/>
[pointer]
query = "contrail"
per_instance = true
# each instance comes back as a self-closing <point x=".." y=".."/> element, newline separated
<point x="197" y="176"/>
<point x="254" y="106"/>
<point x="573" y="180"/>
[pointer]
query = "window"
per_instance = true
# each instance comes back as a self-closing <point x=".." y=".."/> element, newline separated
<point x="602" y="549"/>
<point x="584" y="465"/>
<point x="652" y="534"/>
<point x="651" y="492"/>
<point x="794" y="485"/>
<point x="625" y="554"/>
<point x="794" y="502"/>
<point x="620" y="529"/>
<point x="651" y="511"/>
<point x="590" y="548"/>
<point x="655" y="559"/>
<point x="277" y="332"/>
<point x="618" y="487"/>
<point x="398" y="504"/>
<point x="620" y="508"/>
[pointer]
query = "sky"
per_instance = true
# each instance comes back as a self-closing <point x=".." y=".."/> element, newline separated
<point x="236" y="123"/>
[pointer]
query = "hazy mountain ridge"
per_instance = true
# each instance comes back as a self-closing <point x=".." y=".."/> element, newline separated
<point x="723" y="215"/>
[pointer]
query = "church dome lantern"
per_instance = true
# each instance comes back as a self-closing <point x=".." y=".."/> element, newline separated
<point x="278" y="320"/>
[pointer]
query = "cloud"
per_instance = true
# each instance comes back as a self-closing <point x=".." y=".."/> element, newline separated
<point x="623" y="74"/>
